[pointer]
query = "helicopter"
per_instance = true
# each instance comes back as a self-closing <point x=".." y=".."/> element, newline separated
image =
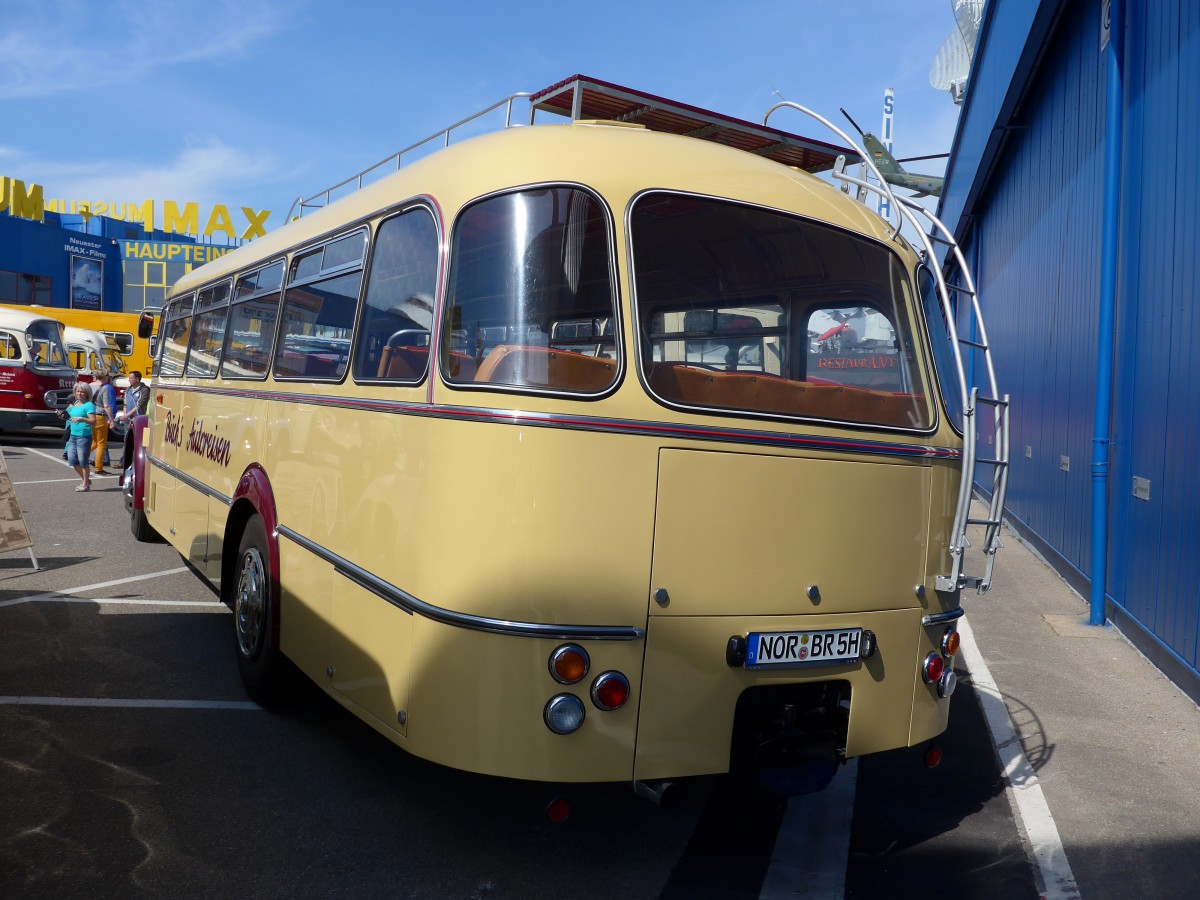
<point x="894" y="173"/>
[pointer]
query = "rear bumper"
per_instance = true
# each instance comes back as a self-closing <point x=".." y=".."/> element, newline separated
<point x="691" y="693"/>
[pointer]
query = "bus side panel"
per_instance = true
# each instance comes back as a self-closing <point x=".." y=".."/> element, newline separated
<point x="163" y="432"/>
<point x="370" y="650"/>
<point x="478" y="703"/>
<point x="221" y="436"/>
<point x="191" y="522"/>
<point x="691" y="692"/>
<point x="534" y="524"/>
<point x="943" y="498"/>
<point x="305" y="451"/>
<point x="305" y="608"/>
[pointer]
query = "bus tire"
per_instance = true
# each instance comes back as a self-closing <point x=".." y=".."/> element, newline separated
<point x="142" y="530"/>
<point x="139" y="525"/>
<point x="267" y="674"/>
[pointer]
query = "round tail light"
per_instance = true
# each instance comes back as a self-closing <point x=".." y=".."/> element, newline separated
<point x="933" y="668"/>
<point x="610" y="690"/>
<point x="569" y="664"/>
<point x="950" y="641"/>
<point x="947" y="683"/>
<point x="558" y="811"/>
<point x="564" y="713"/>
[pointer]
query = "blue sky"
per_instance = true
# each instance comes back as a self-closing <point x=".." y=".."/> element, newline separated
<point x="254" y="102"/>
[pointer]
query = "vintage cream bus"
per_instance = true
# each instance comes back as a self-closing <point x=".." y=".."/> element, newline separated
<point x="527" y="455"/>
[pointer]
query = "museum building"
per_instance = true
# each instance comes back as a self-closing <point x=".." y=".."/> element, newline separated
<point x="1072" y="184"/>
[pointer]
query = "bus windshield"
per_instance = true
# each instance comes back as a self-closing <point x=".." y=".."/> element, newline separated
<point x="112" y="362"/>
<point x="45" y="337"/>
<point x="746" y="310"/>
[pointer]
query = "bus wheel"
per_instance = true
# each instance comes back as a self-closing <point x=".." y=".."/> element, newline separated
<point x="142" y="530"/>
<point x="266" y="673"/>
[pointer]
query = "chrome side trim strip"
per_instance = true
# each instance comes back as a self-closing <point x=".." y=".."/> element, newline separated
<point x="411" y="605"/>
<point x="189" y="480"/>
<point x="943" y="617"/>
<point x="604" y="424"/>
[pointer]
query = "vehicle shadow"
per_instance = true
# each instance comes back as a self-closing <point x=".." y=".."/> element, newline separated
<point x="955" y="819"/>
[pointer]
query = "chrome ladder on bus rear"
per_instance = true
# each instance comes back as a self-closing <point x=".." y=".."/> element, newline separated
<point x="970" y="395"/>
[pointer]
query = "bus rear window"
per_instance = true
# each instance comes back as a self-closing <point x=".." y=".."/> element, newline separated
<point x="746" y="310"/>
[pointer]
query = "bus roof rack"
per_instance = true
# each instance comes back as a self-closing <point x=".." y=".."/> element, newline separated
<point x="580" y="97"/>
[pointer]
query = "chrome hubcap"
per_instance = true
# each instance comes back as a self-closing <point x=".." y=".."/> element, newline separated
<point x="250" y="605"/>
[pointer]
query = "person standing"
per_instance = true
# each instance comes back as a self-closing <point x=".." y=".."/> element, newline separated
<point x="137" y="401"/>
<point x="80" y="417"/>
<point x="106" y="411"/>
<point x="137" y="397"/>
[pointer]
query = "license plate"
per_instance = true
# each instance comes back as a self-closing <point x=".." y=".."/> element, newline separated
<point x="803" y="648"/>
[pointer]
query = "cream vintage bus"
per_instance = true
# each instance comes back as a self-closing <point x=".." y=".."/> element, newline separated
<point x="539" y="455"/>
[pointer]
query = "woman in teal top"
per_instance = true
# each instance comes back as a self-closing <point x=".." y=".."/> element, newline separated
<point x="80" y="416"/>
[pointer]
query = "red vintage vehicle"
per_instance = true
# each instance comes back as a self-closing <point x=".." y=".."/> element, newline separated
<point x="35" y="375"/>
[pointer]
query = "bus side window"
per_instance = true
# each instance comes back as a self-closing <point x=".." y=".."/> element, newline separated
<point x="522" y="264"/>
<point x="250" y="334"/>
<point x="10" y="347"/>
<point x="208" y="331"/>
<point x="393" y="340"/>
<point x="318" y="310"/>
<point x="176" y="329"/>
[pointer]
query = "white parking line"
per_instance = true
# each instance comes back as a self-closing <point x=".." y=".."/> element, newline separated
<point x="57" y="457"/>
<point x="118" y="703"/>
<point x="66" y="593"/>
<point x="73" y="480"/>
<point x="812" y="849"/>
<point x="1024" y="791"/>
<point x="59" y="460"/>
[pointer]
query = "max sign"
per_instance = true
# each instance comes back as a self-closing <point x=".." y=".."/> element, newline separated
<point x="28" y="202"/>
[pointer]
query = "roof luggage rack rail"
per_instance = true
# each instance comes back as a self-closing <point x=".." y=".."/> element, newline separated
<point x="908" y="210"/>
<point x="581" y="98"/>
<point x="323" y="198"/>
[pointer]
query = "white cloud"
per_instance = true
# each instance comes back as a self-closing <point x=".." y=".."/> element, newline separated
<point x="55" y="48"/>
<point x="207" y="173"/>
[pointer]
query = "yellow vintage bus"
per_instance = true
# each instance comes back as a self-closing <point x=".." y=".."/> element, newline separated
<point x="136" y="351"/>
<point x="541" y="455"/>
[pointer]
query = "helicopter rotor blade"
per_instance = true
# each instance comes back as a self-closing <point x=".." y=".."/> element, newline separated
<point x="852" y="122"/>
<point x="918" y="158"/>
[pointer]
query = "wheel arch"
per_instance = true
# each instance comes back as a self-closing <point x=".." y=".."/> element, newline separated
<point x="134" y="456"/>
<point x="253" y="496"/>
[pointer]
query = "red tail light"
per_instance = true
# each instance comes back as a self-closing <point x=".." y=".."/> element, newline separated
<point x="610" y="690"/>
<point x="933" y="668"/>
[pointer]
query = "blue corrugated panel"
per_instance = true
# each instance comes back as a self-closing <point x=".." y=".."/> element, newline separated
<point x="1157" y="564"/>
<point x="1038" y="232"/>
<point x="1036" y="220"/>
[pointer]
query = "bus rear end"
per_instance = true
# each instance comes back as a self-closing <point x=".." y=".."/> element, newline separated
<point x="793" y="618"/>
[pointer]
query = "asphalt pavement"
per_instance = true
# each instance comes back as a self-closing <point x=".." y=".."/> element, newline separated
<point x="1101" y="755"/>
<point x="1111" y="743"/>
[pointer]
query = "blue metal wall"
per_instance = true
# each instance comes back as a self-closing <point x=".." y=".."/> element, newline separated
<point x="1037" y="229"/>
<point x="1156" y="573"/>
<point x="1026" y="189"/>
